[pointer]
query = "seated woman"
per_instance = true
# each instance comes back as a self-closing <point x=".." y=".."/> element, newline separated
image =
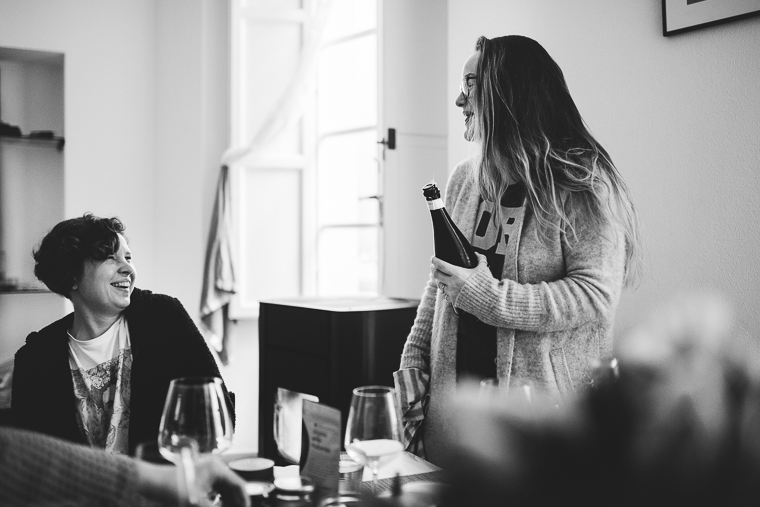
<point x="100" y="375"/>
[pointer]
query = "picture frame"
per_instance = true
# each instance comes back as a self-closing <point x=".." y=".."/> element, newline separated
<point x="680" y="16"/>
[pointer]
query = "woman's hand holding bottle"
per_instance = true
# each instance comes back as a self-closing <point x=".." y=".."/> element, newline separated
<point x="452" y="278"/>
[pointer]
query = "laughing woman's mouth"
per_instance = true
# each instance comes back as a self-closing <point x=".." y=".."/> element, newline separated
<point x="121" y="285"/>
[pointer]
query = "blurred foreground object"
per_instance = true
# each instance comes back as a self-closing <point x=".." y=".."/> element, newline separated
<point x="38" y="470"/>
<point x="680" y="425"/>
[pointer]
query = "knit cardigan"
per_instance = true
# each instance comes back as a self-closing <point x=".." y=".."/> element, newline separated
<point x="36" y="470"/>
<point x="552" y="316"/>
<point x="165" y="345"/>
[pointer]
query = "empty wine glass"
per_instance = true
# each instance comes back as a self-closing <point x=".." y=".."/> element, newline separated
<point x="186" y="466"/>
<point x="517" y="390"/>
<point x="195" y="409"/>
<point x="373" y="429"/>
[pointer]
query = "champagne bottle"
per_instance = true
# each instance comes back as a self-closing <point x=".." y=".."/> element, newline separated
<point x="450" y="244"/>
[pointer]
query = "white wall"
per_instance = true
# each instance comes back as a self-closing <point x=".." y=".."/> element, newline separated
<point x="109" y="96"/>
<point x="192" y="132"/>
<point x="145" y="120"/>
<point x="679" y="115"/>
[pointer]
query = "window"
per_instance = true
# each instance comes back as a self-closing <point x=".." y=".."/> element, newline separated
<point x="306" y="205"/>
<point x="348" y="215"/>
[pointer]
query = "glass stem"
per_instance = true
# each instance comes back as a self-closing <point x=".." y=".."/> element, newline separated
<point x="375" y="471"/>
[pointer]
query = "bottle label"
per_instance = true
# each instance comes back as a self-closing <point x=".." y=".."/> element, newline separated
<point x="435" y="204"/>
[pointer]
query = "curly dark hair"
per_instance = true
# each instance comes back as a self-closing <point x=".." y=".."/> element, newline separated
<point x="60" y="257"/>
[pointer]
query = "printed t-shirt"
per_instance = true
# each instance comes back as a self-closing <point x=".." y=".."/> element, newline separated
<point x="476" y="340"/>
<point x="101" y="369"/>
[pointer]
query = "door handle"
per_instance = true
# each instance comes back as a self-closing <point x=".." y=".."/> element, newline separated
<point x="389" y="143"/>
<point x="379" y="199"/>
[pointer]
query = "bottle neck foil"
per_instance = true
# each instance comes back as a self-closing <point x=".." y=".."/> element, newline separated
<point x="435" y="204"/>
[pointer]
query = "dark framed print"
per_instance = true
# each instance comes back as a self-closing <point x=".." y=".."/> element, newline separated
<point x="683" y="15"/>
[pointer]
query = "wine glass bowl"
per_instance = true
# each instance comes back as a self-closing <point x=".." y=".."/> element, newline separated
<point x="373" y="429"/>
<point x="195" y="408"/>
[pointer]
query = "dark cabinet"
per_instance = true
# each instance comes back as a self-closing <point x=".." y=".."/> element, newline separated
<point x="327" y="347"/>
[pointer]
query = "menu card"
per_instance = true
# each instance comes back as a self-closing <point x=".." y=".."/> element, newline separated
<point x="322" y="431"/>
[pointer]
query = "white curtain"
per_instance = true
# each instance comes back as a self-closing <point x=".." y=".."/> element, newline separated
<point x="219" y="267"/>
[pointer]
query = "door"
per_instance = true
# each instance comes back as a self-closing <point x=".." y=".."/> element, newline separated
<point x="413" y="101"/>
<point x="347" y="220"/>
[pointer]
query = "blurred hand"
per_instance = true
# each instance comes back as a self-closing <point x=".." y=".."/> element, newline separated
<point x="213" y="474"/>
<point x="452" y="278"/>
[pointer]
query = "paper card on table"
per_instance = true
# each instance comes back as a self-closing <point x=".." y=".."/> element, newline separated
<point x="322" y="426"/>
<point x="288" y="422"/>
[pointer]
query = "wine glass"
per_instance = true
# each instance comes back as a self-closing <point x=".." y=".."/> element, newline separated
<point x="373" y="429"/>
<point x="195" y="409"/>
<point x="519" y="390"/>
<point x="186" y="466"/>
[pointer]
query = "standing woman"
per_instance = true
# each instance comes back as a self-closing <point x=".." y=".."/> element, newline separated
<point x="556" y="235"/>
<point x="100" y="375"/>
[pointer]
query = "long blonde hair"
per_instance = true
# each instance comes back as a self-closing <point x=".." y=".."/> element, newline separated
<point x="531" y="131"/>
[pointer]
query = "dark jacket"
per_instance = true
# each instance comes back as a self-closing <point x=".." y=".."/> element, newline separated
<point x="165" y="344"/>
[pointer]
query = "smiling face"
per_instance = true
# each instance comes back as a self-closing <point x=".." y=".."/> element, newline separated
<point x="467" y="101"/>
<point x="105" y="286"/>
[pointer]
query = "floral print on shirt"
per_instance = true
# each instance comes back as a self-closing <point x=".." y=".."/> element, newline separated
<point x="103" y="395"/>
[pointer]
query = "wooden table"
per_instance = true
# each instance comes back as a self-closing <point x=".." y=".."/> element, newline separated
<point x="409" y="467"/>
<point x="406" y="464"/>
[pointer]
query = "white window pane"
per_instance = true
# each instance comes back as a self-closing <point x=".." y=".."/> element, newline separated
<point x="347" y="174"/>
<point x="350" y="16"/>
<point x="265" y="76"/>
<point x="273" y="4"/>
<point x="348" y="261"/>
<point x="272" y="237"/>
<point x="347" y="85"/>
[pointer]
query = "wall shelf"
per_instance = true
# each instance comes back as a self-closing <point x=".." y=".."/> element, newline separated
<point x="24" y="290"/>
<point x="32" y="183"/>
<point x="57" y="141"/>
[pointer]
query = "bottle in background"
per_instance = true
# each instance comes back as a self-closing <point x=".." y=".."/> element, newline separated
<point x="450" y="244"/>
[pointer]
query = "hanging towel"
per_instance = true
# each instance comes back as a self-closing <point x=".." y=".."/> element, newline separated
<point x="218" y="270"/>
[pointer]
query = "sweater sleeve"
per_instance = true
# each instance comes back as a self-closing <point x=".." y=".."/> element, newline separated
<point x="39" y="470"/>
<point x="412" y="386"/>
<point x="416" y="352"/>
<point x="412" y="380"/>
<point x="589" y="290"/>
